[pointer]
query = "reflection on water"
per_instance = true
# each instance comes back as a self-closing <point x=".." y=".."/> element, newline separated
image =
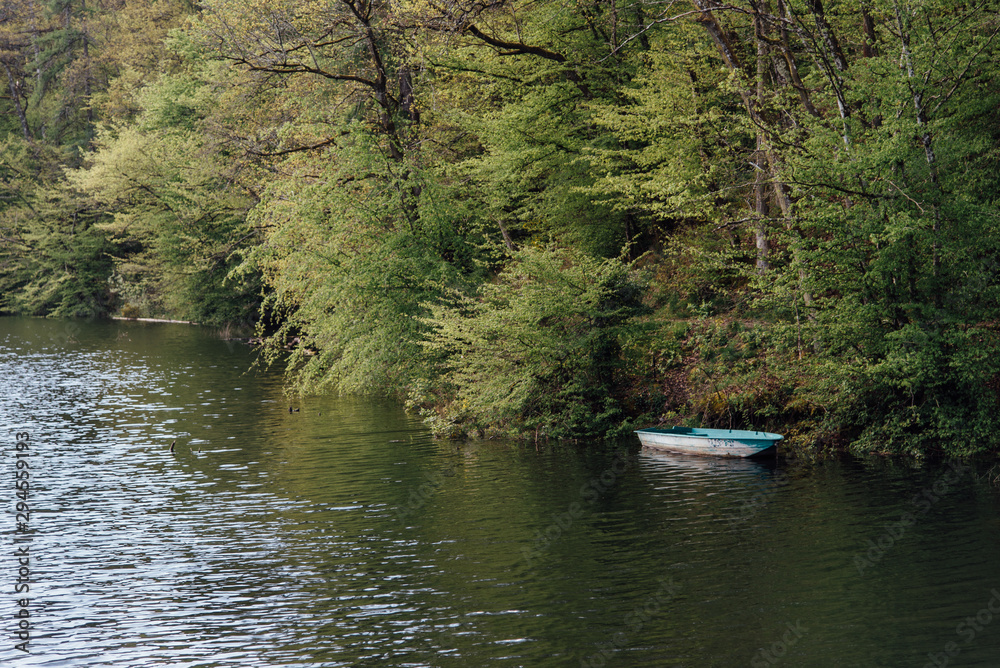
<point x="342" y="535"/>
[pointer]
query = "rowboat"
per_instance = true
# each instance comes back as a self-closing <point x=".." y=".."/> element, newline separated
<point x="717" y="442"/>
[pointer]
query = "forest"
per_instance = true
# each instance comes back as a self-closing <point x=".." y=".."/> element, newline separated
<point x="551" y="219"/>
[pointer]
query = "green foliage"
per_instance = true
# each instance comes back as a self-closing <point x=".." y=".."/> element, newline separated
<point x="417" y="197"/>
<point x="904" y="267"/>
<point x="53" y="260"/>
<point x="351" y="271"/>
<point x="538" y="350"/>
<point x="933" y="391"/>
<point x="176" y="211"/>
<point x="671" y="160"/>
<point x="528" y="174"/>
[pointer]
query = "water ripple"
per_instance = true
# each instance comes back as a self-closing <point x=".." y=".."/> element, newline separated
<point x="342" y="535"/>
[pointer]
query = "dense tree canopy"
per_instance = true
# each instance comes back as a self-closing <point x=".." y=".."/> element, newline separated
<point x="545" y="218"/>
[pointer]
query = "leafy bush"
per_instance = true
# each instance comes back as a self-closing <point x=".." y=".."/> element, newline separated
<point x="538" y="349"/>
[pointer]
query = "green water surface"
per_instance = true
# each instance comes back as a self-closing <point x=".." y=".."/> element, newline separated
<point x="342" y="534"/>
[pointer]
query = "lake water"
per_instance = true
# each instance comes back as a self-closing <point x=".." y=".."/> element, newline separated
<point x="344" y="535"/>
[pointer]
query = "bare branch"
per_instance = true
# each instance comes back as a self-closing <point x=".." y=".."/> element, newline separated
<point x="514" y="48"/>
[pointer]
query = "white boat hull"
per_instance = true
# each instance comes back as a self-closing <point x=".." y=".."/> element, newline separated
<point x="714" y="442"/>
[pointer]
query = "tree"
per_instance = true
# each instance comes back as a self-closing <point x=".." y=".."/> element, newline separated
<point x="905" y="240"/>
<point x="53" y="260"/>
<point x="349" y="274"/>
<point x="176" y="203"/>
<point x="18" y="41"/>
<point x="539" y="71"/>
<point x="539" y="349"/>
<point x="356" y="236"/>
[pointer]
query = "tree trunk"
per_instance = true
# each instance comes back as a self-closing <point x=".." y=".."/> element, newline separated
<point x="761" y="207"/>
<point x="15" y="96"/>
<point x="926" y="139"/>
